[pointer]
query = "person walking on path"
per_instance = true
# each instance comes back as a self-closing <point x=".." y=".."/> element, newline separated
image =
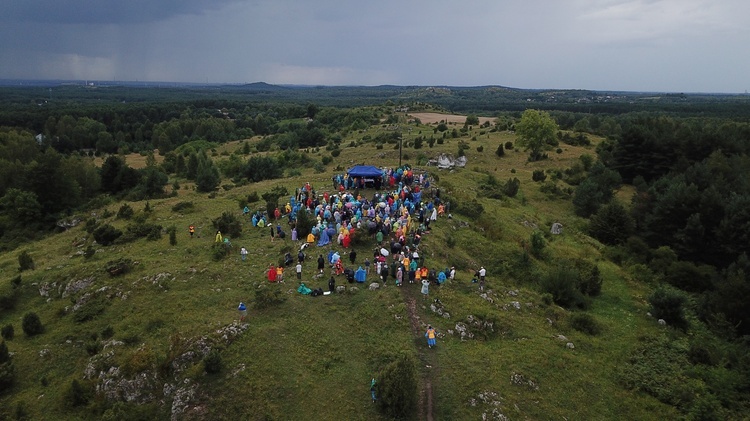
<point x="430" y="335"/>
<point x="243" y="311"/>
<point x="243" y="253"/>
<point x="331" y="284"/>
<point x="425" y="287"/>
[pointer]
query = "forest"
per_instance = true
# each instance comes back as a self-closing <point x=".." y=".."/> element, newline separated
<point x="685" y="157"/>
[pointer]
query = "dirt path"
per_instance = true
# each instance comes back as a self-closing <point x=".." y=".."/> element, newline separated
<point x="428" y="362"/>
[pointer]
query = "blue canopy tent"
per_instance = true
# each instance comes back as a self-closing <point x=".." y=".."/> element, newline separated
<point x="370" y="176"/>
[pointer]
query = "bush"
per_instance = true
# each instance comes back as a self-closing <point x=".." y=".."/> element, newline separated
<point x="8" y="332"/>
<point x="562" y="284"/>
<point x="397" y="388"/>
<point x="8" y="300"/>
<point x="266" y="297"/>
<point x="228" y="224"/>
<point x="183" y="207"/>
<point x="219" y="251"/>
<point x="500" y="151"/>
<point x="145" y="230"/>
<point x="172" y="235"/>
<point x="538" y="176"/>
<point x="31" y="324"/>
<point x="25" y="261"/>
<point x="537" y="243"/>
<point x="335" y="153"/>
<point x="511" y="188"/>
<point x="589" y="277"/>
<point x="118" y="267"/>
<point x="508" y="145"/>
<point x="253" y="197"/>
<point x="125" y="212"/>
<point x="584" y="322"/>
<point x="77" y="394"/>
<point x="106" y="234"/>
<point x="212" y="362"/>
<point x="668" y="304"/>
<point x="7" y="370"/>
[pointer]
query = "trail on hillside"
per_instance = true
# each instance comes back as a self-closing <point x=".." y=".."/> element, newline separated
<point x="428" y="362"/>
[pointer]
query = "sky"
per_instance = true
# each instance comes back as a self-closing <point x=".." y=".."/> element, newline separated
<point x="616" y="45"/>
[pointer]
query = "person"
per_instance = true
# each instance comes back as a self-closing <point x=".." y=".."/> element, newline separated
<point x="243" y="253"/>
<point x="482" y="273"/>
<point x="430" y="335"/>
<point x="299" y="270"/>
<point x="452" y="273"/>
<point x="321" y="263"/>
<point x="331" y="284"/>
<point x="373" y="383"/>
<point x="399" y="277"/>
<point x="352" y="256"/>
<point x="271" y="273"/>
<point x="301" y="256"/>
<point x="219" y="238"/>
<point x="243" y="311"/>
<point x="425" y="287"/>
<point x="273" y="233"/>
<point x="367" y="265"/>
<point x="280" y="273"/>
<point x="191" y="230"/>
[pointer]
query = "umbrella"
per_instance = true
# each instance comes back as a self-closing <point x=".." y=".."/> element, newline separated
<point x="384" y="252"/>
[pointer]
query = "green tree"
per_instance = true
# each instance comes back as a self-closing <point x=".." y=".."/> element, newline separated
<point x="397" y="387"/>
<point x="612" y="224"/>
<point x="536" y="133"/>
<point x="207" y="177"/>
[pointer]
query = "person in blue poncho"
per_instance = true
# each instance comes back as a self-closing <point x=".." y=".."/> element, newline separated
<point x="360" y="275"/>
<point x="441" y="277"/>
<point x="243" y="311"/>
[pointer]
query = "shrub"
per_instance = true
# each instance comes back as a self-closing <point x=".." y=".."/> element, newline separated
<point x="500" y="151"/>
<point x="172" y="230"/>
<point x="584" y="322"/>
<point x="253" y="197"/>
<point x="538" y="176"/>
<point x="511" y="188"/>
<point x="228" y="224"/>
<point x="89" y="252"/>
<point x="561" y="283"/>
<point x="219" y="251"/>
<point x="212" y="362"/>
<point x="8" y="332"/>
<point x="125" y="212"/>
<point x="118" y="267"/>
<point x="335" y="152"/>
<point x="480" y="148"/>
<point x="108" y="332"/>
<point x="668" y="304"/>
<point x="509" y="145"/>
<point x="106" y="234"/>
<point x="76" y="394"/>
<point x="7" y="370"/>
<point x="589" y="277"/>
<point x="89" y="310"/>
<point x="146" y="230"/>
<point x="25" y="261"/>
<point x="537" y="243"/>
<point x="326" y="160"/>
<point x="397" y="388"/>
<point x="8" y="300"/>
<point x="31" y="324"/>
<point x="450" y="241"/>
<point x="266" y="297"/>
<point x="183" y="207"/>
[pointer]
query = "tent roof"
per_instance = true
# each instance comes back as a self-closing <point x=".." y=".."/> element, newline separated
<point x="365" y="171"/>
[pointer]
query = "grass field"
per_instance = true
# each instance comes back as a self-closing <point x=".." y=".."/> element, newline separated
<point x="312" y="358"/>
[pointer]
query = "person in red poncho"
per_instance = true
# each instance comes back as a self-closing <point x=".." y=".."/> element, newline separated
<point x="272" y="273"/>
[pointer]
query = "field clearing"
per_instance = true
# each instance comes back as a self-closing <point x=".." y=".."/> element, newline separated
<point x="434" y="118"/>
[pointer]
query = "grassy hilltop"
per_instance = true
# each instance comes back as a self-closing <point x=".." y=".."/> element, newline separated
<point x="164" y="339"/>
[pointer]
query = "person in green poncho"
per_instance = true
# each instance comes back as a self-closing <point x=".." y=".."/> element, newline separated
<point x="379" y="237"/>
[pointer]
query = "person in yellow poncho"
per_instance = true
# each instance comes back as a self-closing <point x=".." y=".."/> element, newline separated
<point x="310" y="238"/>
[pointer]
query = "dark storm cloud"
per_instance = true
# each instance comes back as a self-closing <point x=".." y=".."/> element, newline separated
<point x="102" y="11"/>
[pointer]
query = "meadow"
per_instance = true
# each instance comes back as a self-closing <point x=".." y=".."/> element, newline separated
<point x="164" y="340"/>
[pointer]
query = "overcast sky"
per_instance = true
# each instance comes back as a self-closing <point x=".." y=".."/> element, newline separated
<point x="633" y="45"/>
